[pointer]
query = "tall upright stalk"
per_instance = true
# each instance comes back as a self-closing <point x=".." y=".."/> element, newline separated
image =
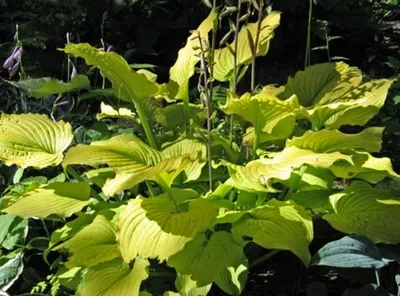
<point x="307" y="59"/>
<point x="254" y="49"/>
<point x="235" y="66"/>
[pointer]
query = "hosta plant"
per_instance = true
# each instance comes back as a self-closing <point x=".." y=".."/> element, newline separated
<point x="202" y="179"/>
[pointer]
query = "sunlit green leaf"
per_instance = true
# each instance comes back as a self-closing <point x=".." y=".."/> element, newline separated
<point x="94" y="244"/>
<point x="62" y="199"/>
<point x="188" y="287"/>
<point x="32" y="140"/>
<point x="108" y="111"/>
<point x="205" y="259"/>
<point x="224" y="60"/>
<point x="156" y="228"/>
<point x="232" y="279"/>
<point x="188" y="56"/>
<point x="278" y="225"/>
<point x="10" y="271"/>
<point x="44" y="87"/>
<point x="128" y="84"/>
<point x="115" y="278"/>
<point x="366" y="211"/>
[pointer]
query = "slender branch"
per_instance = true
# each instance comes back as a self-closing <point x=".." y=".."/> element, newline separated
<point x="254" y="53"/>
<point x="307" y="59"/>
<point x="145" y="125"/>
<point x="377" y="276"/>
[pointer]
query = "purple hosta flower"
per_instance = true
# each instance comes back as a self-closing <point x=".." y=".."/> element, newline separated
<point x="110" y="48"/>
<point x="9" y="63"/>
<point x="68" y="37"/>
<point x="74" y="71"/>
<point x="14" y="69"/>
<point x="18" y="53"/>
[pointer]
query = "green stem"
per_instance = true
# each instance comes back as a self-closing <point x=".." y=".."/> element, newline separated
<point x="145" y="125"/>
<point x="328" y="52"/>
<point x="256" y="136"/>
<point x="264" y="258"/>
<point x="254" y="53"/>
<point x="377" y="276"/>
<point x="45" y="228"/>
<point x="78" y="177"/>
<point x="151" y="189"/>
<point x="307" y="59"/>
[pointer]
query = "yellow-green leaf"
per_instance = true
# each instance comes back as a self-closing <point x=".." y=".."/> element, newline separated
<point x="33" y="140"/>
<point x="232" y="279"/>
<point x="278" y="225"/>
<point x="128" y="84"/>
<point x="115" y="277"/>
<point x="224" y="60"/>
<point x="188" y="287"/>
<point x="94" y="244"/>
<point x="156" y="228"/>
<point x="364" y="210"/>
<point x="188" y="56"/>
<point x="62" y="199"/>
<point x="205" y="259"/>
<point x="108" y="111"/>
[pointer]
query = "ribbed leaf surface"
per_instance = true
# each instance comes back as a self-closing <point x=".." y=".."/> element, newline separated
<point x="32" y="140"/>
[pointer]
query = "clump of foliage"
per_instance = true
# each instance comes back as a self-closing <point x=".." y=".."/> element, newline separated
<point x="191" y="184"/>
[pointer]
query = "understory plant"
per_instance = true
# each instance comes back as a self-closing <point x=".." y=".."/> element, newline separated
<point x="202" y="178"/>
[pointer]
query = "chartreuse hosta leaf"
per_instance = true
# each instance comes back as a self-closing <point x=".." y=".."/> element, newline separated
<point x="204" y="259"/>
<point x="257" y="174"/>
<point x="62" y="199"/>
<point x="188" y="56"/>
<point x="134" y="161"/>
<point x="128" y="84"/>
<point x="232" y="279"/>
<point x="44" y="87"/>
<point x="325" y="141"/>
<point x="278" y="225"/>
<point x="224" y="60"/>
<point x="160" y="227"/>
<point x="363" y="210"/>
<point x="334" y="95"/>
<point x="273" y="117"/>
<point x="108" y="111"/>
<point x="115" y="278"/>
<point x="188" y="287"/>
<point x="32" y="140"/>
<point x="94" y="244"/>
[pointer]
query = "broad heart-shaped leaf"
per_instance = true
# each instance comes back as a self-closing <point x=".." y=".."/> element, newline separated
<point x="94" y="244"/>
<point x="316" y="201"/>
<point x="205" y="259"/>
<point x="366" y="211"/>
<point x="10" y="272"/>
<point x="13" y="231"/>
<point x="232" y="279"/>
<point x="128" y="84"/>
<point x="257" y="174"/>
<point x="155" y="228"/>
<point x="334" y="95"/>
<point x="188" y="287"/>
<point x="274" y="118"/>
<point x="44" y="87"/>
<point x="350" y="252"/>
<point x="325" y="141"/>
<point x="62" y="199"/>
<point x="108" y="111"/>
<point x="224" y="60"/>
<point x="115" y="278"/>
<point x="278" y="225"/>
<point x="366" y="167"/>
<point x="188" y="56"/>
<point x="172" y="116"/>
<point x="131" y="159"/>
<point x="33" y="140"/>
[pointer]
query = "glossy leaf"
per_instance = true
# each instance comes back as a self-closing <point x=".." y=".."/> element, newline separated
<point x="275" y="118"/>
<point x="224" y="61"/>
<point x="188" y="56"/>
<point x="44" y="87"/>
<point x="115" y="278"/>
<point x="155" y="228"/>
<point x="94" y="244"/>
<point x="350" y="252"/>
<point x="128" y="84"/>
<point x="62" y="199"/>
<point x="366" y="211"/>
<point x="108" y="111"/>
<point x="32" y="140"/>
<point x="278" y="225"/>
<point x="204" y="259"/>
